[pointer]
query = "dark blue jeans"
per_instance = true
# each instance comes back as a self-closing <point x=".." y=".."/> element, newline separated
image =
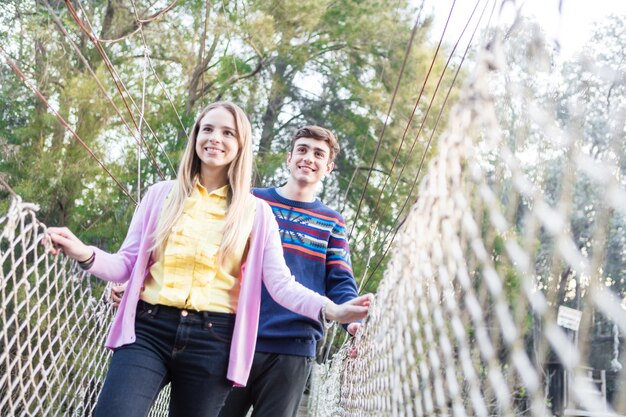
<point x="187" y="349"/>
<point x="274" y="388"/>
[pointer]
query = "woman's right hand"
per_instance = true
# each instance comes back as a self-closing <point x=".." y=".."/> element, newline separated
<point x="350" y="311"/>
<point x="63" y="239"/>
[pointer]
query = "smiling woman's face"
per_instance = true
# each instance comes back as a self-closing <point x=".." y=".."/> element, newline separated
<point x="217" y="143"/>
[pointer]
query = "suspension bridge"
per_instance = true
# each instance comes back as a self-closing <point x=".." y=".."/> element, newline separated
<point x="470" y="318"/>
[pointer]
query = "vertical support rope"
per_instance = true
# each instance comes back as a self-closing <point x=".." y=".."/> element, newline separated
<point x="141" y="118"/>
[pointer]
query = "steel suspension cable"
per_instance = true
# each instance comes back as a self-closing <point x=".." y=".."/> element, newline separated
<point x="138" y="138"/>
<point x="416" y="177"/>
<point x="116" y="78"/>
<point x="423" y="121"/>
<point x="408" y="125"/>
<point x="344" y="199"/>
<point x="149" y="62"/>
<point x="419" y="97"/>
<point x="145" y="44"/>
<point x="142" y="113"/>
<point x="382" y="133"/>
<point x="41" y="97"/>
<point x="203" y="46"/>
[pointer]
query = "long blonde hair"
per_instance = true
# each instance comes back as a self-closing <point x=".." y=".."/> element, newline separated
<point x="239" y="181"/>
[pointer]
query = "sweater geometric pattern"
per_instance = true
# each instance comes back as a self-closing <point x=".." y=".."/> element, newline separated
<point x="306" y="233"/>
<point x="317" y="253"/>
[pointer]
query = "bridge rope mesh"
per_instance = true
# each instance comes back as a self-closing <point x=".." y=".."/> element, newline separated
<point x="53" y="325"/>
<point x="465" y="319"/>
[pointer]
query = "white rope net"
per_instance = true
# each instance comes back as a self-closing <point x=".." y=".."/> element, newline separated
<point x="53" y="324"/>
<point x="51" y="328"/>
<point x="465" y="319"/>
<point x="519" y="213"/>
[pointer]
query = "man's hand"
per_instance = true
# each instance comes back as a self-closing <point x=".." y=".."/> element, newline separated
<point x="353" y="328"/>
<point x="117" y="292"/>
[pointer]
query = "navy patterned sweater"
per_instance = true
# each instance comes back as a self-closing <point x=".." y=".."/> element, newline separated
<point x="316" y="250"/>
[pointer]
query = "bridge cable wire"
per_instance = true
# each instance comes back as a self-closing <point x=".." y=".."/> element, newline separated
<point x="143" y="101"/>
<point x="115" y="76"/>
<point x="381" y="78"/>
<point x="382" y="133"/>
<point x="408" y="124"/>
<point x="376" y="225"/>
<point x="397" y="221"/>
<point x="41" y="97"/>
<point x="156" y="76"/>
<point x="147" y="62"/>
<point x="137" y="138"/>
<point x="203" y="46"/>
<point x="117" y="80"/>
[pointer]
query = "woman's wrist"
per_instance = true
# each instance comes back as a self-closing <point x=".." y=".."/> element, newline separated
<point x="328" y="311"/>
<point x="323" y="312"/>
<point x="87" y="263"/>
<point x="85" y="258"/>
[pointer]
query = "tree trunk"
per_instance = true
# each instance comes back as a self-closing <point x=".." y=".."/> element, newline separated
<point x="560" y="298"/>
<point x="278" y="93"/>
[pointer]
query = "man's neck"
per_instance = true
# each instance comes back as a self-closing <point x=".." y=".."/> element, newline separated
<point x="294" y="191"/>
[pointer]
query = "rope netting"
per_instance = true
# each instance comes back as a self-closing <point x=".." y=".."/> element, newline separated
<point x="513" y="221"/>
<point x="53" y="324"/>
<point x="52" y="327"/>
<point x="465" y="321"/>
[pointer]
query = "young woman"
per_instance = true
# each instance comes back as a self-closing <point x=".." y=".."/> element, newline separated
<point x="196" y="253"/>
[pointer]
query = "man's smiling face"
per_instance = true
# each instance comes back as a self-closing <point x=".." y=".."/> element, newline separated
<point x="309" y="161"/>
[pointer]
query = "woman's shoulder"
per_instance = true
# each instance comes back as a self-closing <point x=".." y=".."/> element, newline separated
<point x="160" y="187"/>
<point x="166" y="184"/>
<point x="263" y="215"/>
<point x="262" y="206"/>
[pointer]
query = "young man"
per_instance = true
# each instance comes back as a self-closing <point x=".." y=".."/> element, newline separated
<point x="316" y="250"/>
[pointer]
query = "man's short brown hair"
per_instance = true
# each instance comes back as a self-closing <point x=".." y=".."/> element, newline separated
<point x="318" y="133"/>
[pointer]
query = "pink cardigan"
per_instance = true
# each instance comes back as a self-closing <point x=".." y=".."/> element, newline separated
<point x="264" y="262"/>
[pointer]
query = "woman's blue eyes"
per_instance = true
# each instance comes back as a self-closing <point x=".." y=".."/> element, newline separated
<point x="226" y="133"/>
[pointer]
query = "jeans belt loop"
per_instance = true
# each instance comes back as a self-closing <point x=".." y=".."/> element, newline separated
<point x="155" y="310"/>
<point x="206" y="321"/>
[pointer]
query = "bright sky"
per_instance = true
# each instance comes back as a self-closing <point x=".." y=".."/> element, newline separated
<point x="572" y="28"/>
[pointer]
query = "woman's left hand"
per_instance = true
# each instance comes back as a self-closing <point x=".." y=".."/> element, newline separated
<point x="62" y="238"/>
<point x="353" y="310"/>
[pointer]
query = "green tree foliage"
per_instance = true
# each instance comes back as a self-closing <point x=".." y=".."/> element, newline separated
<point x="46" y="164"/>
<point x="288" y="63"/>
